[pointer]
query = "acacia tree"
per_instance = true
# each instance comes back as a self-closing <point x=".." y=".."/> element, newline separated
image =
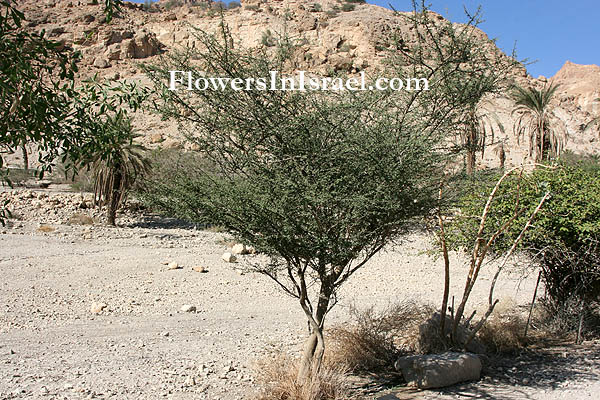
<point x="318" y="181"/>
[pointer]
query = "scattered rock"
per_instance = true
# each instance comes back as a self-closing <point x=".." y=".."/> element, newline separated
<point x="189" y="381"/>
<point x="200" y="269"/>
<point x="97" y="308"/>
<point x="239" y="249"/>
<point x="101" y="62"/>
<point x="228" y="257"/>
<point x="439" y="370"/>
<point x="188" y="308"/>
<point x="172" y="266"/>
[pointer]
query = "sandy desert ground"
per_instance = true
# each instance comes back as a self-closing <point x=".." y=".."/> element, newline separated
<point x="143" y="346"/>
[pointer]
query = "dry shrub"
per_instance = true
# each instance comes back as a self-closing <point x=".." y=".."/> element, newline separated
<point x="373" y="341"/>
<point x="504" y="333"/>
<point x="277" y="378"/>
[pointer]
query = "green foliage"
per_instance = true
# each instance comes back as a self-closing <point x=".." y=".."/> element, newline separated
<point x="109" y="151"/>
<point x="316" y="7"/>
<point x="267" y="39"/>
<point x="35" y="90"/>
<point x="112" y="7"/>
<point x="564" y="237"/>
<point x="319" y="181"/>
<point x="170" y="187"/>
<point x="118" y="166"/>
<point x="546" y="133"/>
<point x="171" y="4"/>
<point x="346" y="7"/>
<point x="148" y="5"/>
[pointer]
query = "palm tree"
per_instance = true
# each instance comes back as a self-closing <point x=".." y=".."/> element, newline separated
<point x="117" y="167"/>
<point x="547" y="133"/>
<point x="478" y="127"/>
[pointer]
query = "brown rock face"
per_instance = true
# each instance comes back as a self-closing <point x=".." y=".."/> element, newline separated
<point x="331" y="40"/>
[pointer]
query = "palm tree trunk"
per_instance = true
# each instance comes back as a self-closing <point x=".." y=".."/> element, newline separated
<point x="25" y="158"/>
<point x="115" y="199"/>
<point x="470" y="162"/>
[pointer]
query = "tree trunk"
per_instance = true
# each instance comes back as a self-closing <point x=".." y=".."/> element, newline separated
<point x="470" y="161"/>
<point x="25" y="158"/>
<point x="314" y="348"/>
<point x="115" y="199"/>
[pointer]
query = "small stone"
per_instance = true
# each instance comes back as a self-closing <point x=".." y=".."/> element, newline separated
<point x="200" y="269"/>
<point x="97" y="308"/>
<point x="189" y="381"/>
<point x="525" y="381"/>
<point x="172" y="266"/>
<point x="250" y="250"/>
<point x="188" y="308"/>
<point x="239" y="249"/>
<point x="228" y="257"/>
<point x="165" y="334"/>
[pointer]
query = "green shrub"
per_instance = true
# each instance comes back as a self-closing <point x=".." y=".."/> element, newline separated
<point x="346" y="7"/>
<point x="170" y="189"/>
<point x="316" y="7"/>
<point x="564" y="238"/>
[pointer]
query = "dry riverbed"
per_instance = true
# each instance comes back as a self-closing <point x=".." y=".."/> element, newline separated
<point x="88" y="311"/>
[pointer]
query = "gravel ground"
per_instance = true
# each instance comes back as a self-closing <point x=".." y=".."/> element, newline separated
<point x="141" y="345"/>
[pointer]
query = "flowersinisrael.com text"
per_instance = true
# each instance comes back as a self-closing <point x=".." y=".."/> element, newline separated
<point x="185" y="80"/>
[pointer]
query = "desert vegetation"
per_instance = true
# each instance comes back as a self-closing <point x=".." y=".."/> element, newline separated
<point x="319" y="184"/>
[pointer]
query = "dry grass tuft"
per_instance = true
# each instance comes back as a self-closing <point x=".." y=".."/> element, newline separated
<point x="373" y="341"/>
<point x="504" y="333"/>
<point x="277" y="378"/>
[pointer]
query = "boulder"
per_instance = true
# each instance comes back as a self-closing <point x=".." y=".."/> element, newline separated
<point x="439" y="370"/>
<point x="141" y="46"/>
<point x="101" y="62"/>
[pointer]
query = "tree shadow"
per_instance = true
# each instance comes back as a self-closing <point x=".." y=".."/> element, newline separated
<point x="159" y="222"/>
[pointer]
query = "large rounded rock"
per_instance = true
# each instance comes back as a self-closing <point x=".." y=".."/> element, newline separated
<point x="439" y="370"/>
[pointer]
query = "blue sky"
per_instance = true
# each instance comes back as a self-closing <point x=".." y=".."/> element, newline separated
<point x="549" y="31"/>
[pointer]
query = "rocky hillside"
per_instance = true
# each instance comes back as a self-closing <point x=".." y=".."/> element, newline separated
<point x="341" y="36"/>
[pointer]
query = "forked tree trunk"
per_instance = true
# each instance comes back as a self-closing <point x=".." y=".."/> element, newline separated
<point x="314" y="348"/>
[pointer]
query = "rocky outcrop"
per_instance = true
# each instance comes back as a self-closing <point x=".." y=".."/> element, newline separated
<point x="331" y="40"/>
